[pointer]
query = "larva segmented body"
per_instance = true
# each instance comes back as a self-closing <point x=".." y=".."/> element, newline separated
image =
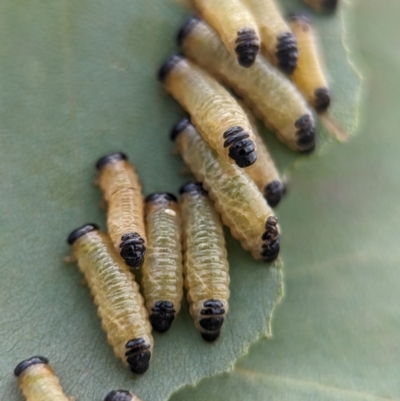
<point x="121" y="395"/>
<point x="241" y="205"/>
<point x="120" y="306"/>
<point x="205" y="261"/>
<point x="125" y="217"/>
<point x="322" y="5"/>
<point x="38" y="381"/>
<point x="162" y="279"/>
<point x="213" y="110"/>
<point x="236" y="26"/>
<point x="277" y="40"/>
<point x="269" y="94"/>
<point x="309" y="76"/>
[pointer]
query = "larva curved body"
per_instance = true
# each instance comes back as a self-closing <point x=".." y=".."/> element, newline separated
<point x="323" y="5"/>
<point x="121" y="395"/>
<point x="38" y="381"/>
<point x="270" y="95"/>
<point x="120" y="305"/>
<point x="205" y="261"/>
<point x="213" y="110"/>
<point x="236" y="26"/>
<point x="125" y="217"/>
<point x="162" y="279"/>
<point x="239" y="202"/>
<point x="309" y="77"/>
<point x="277" y="40"/>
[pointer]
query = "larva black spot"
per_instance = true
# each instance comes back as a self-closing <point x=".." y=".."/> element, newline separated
<point x="138" y="355"/>
<point x="271" y="245"/>
<point x="168" y="66"/>
<point x="77" y="233"/>
<point x="132" y="249"/>
<point x="329" y="5"/>
<point x="29" y="362"/>
<point x="241" y="147"/>
<point x="213" y="322"/>
<point x="274" y="192"/>
<point x="186" y="29"/>
<point x="178" y="128"/>
<point x="109" y="159"/>
<point x="194" y="187"/>
<point x="159" y="196"/>
<point x="286" y="52"/>
<point x="162" y="316"/>
<point x="322" y="99"/>
<point x="305" y="134"/>
<point x="247" y="47"/>
<point x="118" y="395"/>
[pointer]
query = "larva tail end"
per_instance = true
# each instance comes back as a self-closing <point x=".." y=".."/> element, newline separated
<point x="118" y="395"/>
<point x="286" y="52"/>
<point x="80" y="231"/>
<point x="138" y="355"/>
<point x="329" y="5"/>
<point x="178" y="128"/>
<point x="162" y="315"/>
<point x="35" y="360"/>
<point x="192" y="187"/>
<point x="322" y="99"/>
<point x="213" y="319"/>
<point x="111" y="158"/>
<point x="241" y="147"/>
<point x="168" y="66"/>
<point x="274" y="192"/>
<point x="247" y="47"/>
<point x="132" y="249"/>
<point x="186" y="29"/>
<point x="305" y="134"/>
<point x="271" y="244"/>
<point x="161" y="196"/>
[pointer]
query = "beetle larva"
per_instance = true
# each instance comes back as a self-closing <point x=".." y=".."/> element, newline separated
<point x="276" y="39"/>
<point x="241" y="205"/>
<point x="309" y="76"/>
<point x="269" y="94"/>
<point x="38" y="381"/>
<point x="205" y="262"/>
<point x="236" y="26"/>
<point x="162" y="279"/>
<point x="120" y="306"/>
<point x="322" y="5"/>
<point x="125" y="218"/>
<point x="215" y="113"/>
<point x="121" y="395"/>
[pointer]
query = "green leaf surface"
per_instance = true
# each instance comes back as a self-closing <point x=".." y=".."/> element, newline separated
<point x="77" y="80"/>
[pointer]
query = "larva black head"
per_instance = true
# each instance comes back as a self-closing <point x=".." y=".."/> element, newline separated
<point x="111" y="158"/>
<point x="211" y="324"/>
<point x="329" y="5"/>
<point x="305" y="134"/>
<point x="79" y="232"/>
<point x="286" y="52"/>
<point x="162" y="315"/>
<point x="247" y="47"/>
<point x="138" y="355"/>
<point x="241" y="147"/>
<point x="271" y="244"/>
<point x="35" y="360"/>
<point x="322" y="99"/>
<point x="186" y="29"/>
<point x="193" y="187"/>
<point x="168" y="66"/>
<point x="161" y="196"/>
<point x="274" y="192"/>
<point x="118" y="395"/>
<point x="132" y="249"/>
<point x="179" y="127"/>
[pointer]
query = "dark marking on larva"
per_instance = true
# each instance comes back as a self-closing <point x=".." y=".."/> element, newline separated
<point x="305" y="18"/>
<point x="193" y="187"/>
<point x="186" y="29"/>
<point x="247" y="47"/>
<point x="161" y="196"/>
<point x="329" y="5"/>
<point x="169" y="65"/>
<point x="79" y="232"/>
<point x="113" y="157"/>
<point x="138" y="355"/>
<point x="273" y="192"/>
<point x="241" y="147"/>
<point x="162" y="316"/>
<point x="211" y="324"/>
<point x="178" y="128"/>
<point x="132" y="249"/>
<point x="118" y="395"/>
<point x="305" y="134"/>
<point x="35" y="360"/>
<point x="271" y="244"/>
<point x="286" y="52"/>
<point x="322" y="99"/>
